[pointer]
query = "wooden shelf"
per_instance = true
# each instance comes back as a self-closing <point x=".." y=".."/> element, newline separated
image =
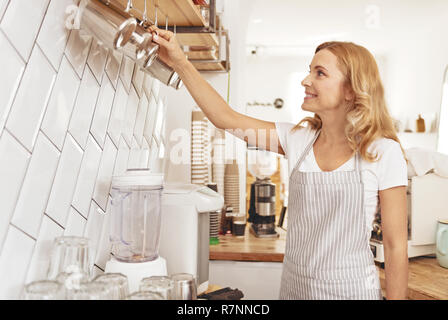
<point x="197" y="39"/>
<point x="202" y="55"/>
<point x="209" y="66"/>
<point x="182" y="13"/>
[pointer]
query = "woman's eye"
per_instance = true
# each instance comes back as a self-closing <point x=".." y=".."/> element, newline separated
<point x="320" y="72"/>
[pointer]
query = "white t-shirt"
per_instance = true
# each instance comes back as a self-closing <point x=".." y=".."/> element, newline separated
<point x="389" y="171"/>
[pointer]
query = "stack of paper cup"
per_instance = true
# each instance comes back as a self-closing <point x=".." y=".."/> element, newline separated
<point x="208" y="133"/>
<point x="218" y="163"/>
<point x="198" y="166"/>
<point x="206" y="149"/>
<point x="232" y="187"/>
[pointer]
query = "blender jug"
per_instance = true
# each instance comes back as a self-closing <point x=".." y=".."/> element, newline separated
<point x="136" y="214"/>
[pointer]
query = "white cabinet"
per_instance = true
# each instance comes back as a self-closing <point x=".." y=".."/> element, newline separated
<point x="257" y="280"/>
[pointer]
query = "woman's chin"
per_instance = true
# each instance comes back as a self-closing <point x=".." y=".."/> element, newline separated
<point x="306" y="107"/>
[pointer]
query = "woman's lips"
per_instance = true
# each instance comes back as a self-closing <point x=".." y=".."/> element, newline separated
<point x="310" y="96"/>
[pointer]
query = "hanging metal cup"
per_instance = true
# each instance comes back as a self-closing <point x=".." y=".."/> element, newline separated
<point x="117" y="32"/>
<point x="105" y="24"/>
<point x="141" y="47"/>
<point x="164" y="73"/>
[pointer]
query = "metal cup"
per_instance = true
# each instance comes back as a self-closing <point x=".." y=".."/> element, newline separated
<point x="105" y="24"/>
<point x="117" y="32"/>
<point x="184" y="286"/>
<point x="117" y="284"/>
<point x="141" y="48"/>
<point x="43" y="290"/>
<point x="164" y="73"/>
<point x="162" y="285"/>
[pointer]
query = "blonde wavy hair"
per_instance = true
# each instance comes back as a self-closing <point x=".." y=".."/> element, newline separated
<point x="368" y="117"/>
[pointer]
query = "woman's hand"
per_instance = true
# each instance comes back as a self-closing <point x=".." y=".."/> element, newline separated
<point x="169" y="51"/>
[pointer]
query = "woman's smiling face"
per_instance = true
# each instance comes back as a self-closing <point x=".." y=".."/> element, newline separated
<point x="324" y="85"/>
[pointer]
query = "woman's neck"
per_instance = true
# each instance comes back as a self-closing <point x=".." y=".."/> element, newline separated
<point x="333" y="130"/>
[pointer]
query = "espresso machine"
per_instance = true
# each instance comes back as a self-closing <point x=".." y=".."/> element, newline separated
<point x="262" y="165"/>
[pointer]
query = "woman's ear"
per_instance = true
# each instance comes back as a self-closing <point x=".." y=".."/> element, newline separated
<point x="349" y="94"/>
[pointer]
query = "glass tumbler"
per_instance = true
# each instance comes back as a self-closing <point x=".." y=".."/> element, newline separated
<point x="144" y="295"/>
<point x="43" y="290"/>
<point x="90" y="291"/>
<point x="184" y="286"/>
<point x="117" y="284"/>
<point x="70" y="254"/>
<point x="160" y="284"/>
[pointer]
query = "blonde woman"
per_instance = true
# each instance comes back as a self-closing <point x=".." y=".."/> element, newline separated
<point x="345" y="163"/>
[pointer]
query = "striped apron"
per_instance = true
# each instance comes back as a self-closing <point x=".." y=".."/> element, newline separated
<point x="327" y="253"/>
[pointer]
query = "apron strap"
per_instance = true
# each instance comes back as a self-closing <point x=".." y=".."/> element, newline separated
<point x="310" y="145"/>
<point x="307" y="149"/>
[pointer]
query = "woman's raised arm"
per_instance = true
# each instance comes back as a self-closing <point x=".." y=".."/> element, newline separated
<point x="254" y="131"/>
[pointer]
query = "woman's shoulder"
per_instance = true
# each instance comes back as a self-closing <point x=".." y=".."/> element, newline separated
<point x="383" y="144"/>
<point x="386" y="148"/>
<point x="292" y="129"/>
<point x="293" y="139"/>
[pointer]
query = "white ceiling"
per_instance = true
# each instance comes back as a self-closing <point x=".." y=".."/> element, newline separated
<point x="298" y="26"/>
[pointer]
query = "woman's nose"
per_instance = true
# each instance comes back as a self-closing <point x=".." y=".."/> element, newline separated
<point x="306" y="82"/>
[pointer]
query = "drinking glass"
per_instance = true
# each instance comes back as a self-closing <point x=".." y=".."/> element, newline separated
<point x="71" y="281"/>
<point x="144" y="295"/>
<point x="160" y="284"/>
<point x="90" y="291"/>
<point x="117" y="284"/>
<point x="184" y="286"/>
<point x="70" y="254"/>
<point x="43" y="290"/>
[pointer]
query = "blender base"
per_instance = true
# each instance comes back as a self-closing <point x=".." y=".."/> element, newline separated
<point x="136" y="271"/>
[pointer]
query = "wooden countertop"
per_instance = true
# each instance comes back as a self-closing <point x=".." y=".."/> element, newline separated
<point x="427" y="280"/>
<point x="249" y="247"/>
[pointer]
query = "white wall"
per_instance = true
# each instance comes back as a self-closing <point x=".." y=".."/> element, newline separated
<point x="409" y="44"/>
<point x="230" y="86"/>
<point x="271" y="77"/>
<point x="71" y="116"/>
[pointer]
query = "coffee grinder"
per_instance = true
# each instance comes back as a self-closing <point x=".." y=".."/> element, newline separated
<point x="262" y="165"/>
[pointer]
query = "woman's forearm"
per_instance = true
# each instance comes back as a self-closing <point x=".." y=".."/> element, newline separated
<point x="210" y="102"/>
<point x="396" y="269"/>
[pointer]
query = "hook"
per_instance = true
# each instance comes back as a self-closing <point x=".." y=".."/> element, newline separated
<point x="145" y="17"/>
<point x="129" y="6"/>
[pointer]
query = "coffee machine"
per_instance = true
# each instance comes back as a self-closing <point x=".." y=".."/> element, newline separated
<point x="262" y="165"/>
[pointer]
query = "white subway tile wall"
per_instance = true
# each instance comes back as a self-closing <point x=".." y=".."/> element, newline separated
<point x="60" y="106"/>
<point x="29" y="105"/>
<point x="22" y="22"/>
<point x="71" y="114"/>
<point x="12" y="67"/>
<point x="40" y="174"/>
